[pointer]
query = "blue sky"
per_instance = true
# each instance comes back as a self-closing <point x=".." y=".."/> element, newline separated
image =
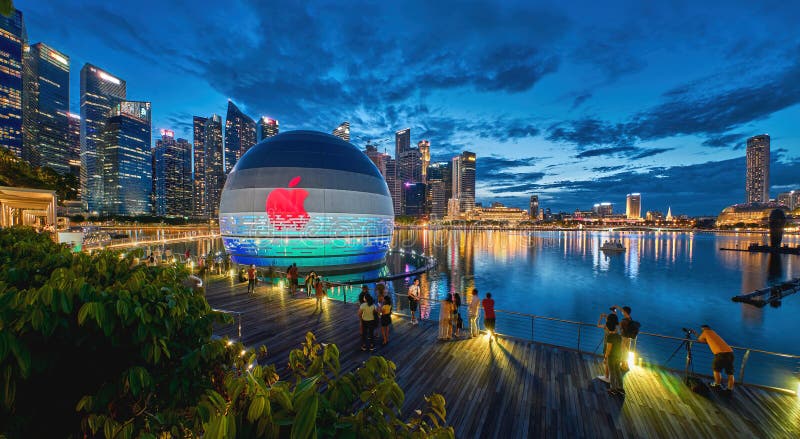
<point x="577" y="101"/>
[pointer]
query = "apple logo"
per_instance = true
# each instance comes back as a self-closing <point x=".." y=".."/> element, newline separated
<point x="285" y="207"/>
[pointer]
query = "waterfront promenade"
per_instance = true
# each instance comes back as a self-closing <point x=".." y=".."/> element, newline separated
<point x="511" y="388"/>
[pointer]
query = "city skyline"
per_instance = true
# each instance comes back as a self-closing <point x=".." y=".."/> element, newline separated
<point x="570" y="118"/>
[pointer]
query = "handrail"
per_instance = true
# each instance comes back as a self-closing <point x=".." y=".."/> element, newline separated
<point x="238" y="314"/>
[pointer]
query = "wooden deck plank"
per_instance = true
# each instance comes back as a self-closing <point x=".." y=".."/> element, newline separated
<point x="510" y="388"/>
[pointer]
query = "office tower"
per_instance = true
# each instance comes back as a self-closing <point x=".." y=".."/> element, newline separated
<point x="633" y="206"/>
<point x="172" y="175"/>
<point x="126" y="157"/>
<point x="45" y="108"/>
<point x="402" y="142"/>
<point x="159" y="199"/>
<point x="789" y="199"/>
<point x="378" y="158"/>
<point x="533" y="208"/>
<point x="757" y="179"/>
<point x="199" y="171"/>
<point x="12" y="43"/>
<point x="437" y="199"/>
<point x="267" y="127"/>
<point x="464" y="180"/>
<point x="343" y="131"/>
<point x="414" y="196"/>
<point x="214" y="165"/>
<point x="100" y="94"/>
<point x="603" y="209"/>
<point x="240" y="135"/>
<point x="74" y="141"/>
<point x="424" y="148"/>
<point x="394" y="185"/>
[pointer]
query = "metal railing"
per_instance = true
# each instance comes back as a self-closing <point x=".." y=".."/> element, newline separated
<point x="237" y="316"/>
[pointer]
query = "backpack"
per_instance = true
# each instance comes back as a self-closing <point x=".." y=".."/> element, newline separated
<point x="632" y="329"/>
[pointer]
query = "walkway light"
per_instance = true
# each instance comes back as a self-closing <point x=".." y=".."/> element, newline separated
<point x="631" y="359"/>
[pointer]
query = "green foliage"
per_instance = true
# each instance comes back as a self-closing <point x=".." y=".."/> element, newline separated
<point x="100" y="346"/>
<point x="18" y="173"/>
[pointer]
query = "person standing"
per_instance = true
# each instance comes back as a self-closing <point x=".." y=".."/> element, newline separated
<point x="628" y="330"/>
<point x="473" y="311"/>
<point x="310" y="283"/>
<point x="386" y="317"/>
<point x="613" y="355"/>
<point x="362" y="298"/>
<point x="251" y="279"/>
<point x="413" y="300"/>
<point x="723" y="356"/>
<point x="455" y="317"/>
<point x="187" y="255"/>
<point x="294" y="280"/>
<point x="320" y="293"/>
<point x="367" y="314"/>
<point x="488" y="315"/>
<point x="607" y="321"/>
<point x="445" y="314"/>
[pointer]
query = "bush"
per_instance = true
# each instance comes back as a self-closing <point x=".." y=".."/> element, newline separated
<point x="101" y="346"/>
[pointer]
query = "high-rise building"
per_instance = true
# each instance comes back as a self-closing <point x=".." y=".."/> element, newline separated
<point x="414" y="196"/>
<point x="126" y="156"/>
<point x="199" y="170"/>
<point x="424" y="148"/>
<point x="533" y="208"/>
<point x="402" y="142"/>
<point x="757" y="178"/>
<point x="159" y="198"/>
<point x="74" y="141"/>
<point x="394" y="185"/>
<point x="12" y="43"/>
<point x="439" y="177"/>
<point x="45" y="107"/>
<point x="378" y="158"/>
<point x="240" y="135"/>
<point x="100" y="94"/>
<point x="172" y="175"/>
<point x="343" y="131"/>
<point x="267" y="127"/>
<point x="603" y="209"/>
<point x="790" y="199"/>
<point x="214" y="165"/>
<point x="633" y="206"/>
<point x="464" y="180"/>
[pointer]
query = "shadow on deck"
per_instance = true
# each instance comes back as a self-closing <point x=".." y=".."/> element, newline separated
<point x="510" y="388"/>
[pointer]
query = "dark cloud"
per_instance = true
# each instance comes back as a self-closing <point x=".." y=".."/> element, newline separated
<point x="734" y="140"/>
<point x="650" y="153"/>
<point x="612" y="151"/>
<point x="580" y="99"/>
<point x="604" y="169"/>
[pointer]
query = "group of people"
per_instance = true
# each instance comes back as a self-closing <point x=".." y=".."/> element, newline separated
<point x="451" y="323"/>
<point x="373" y="311"/>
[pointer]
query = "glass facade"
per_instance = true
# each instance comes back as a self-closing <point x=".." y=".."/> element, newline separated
<point x="240" y="135"/>
<point x="757" y="178"/>
<point x="172" y="176"/>
<point x="12" y="41"/>
<point x="46" y="108"/>
<point x="127" y="160"/>
<point x="214" y="165"/>
<point x="633" y="206"/>
<point x="100" y="94"/>
<point x="533" y="208"/>
<point x="74" y="142"/>
<point x="199" y="167"/>
<point x="343" y="131"/>
<point x="267" y="127"/>
<point x="464" y="180"/>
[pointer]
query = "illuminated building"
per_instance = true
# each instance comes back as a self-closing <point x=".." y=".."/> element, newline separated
<point x="790" y="199"/>
<point x="402" y="142"/>
<point x="394" y="185"/>
<point x="669" y="214"/>
<point x="424" y="147"/>
<point x="45" y="108"/>
<point x="380" y="159"/>
<point x="498" y="213"/>
<point x="533" y="208"/>
<point x="214" y="164"/>
<point x="439" y="188"/>
<point x="172" y="183"/>
<point x="309" y="198"/>
<point x="464" y="180"/>
<point x="748" y="214"/>
<point x="409" y="170"/>
<point x="100" y="93"/>
<point x="267" y="127"/>
<point x="343" y="131"/>
<point x="199" y="209"/>
<point x="757" y="178"/>
<point x="414" y="196"/>
<point x="603" y="209"/>
<point x="126" y="157"/>
<point x="633" y="206"/>
<point x="240" y="135"/>
<point x="654" y="216"/>
<point x="74" y="141"/>
<point x="12" y="42"/>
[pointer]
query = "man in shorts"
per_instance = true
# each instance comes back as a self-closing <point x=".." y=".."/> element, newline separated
<point x="413" y="300"/>
<point x="723" y="356"/>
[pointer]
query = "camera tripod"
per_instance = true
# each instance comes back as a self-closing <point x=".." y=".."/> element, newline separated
<point x="686" y="344"/>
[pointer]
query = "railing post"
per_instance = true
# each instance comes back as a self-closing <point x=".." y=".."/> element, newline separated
<point x="579" y="337"/>
<point x="741" y="369"/>
<point x="240" y="326"/>
<point x="533" y="321"/>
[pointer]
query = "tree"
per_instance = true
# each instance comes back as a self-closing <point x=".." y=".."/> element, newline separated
<point x="103" y="346"/>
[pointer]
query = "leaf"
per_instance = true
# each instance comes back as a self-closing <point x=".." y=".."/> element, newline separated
<point x="305" y="421"/>
<point x="256" y="407"/>
<point x="294" y="182"/>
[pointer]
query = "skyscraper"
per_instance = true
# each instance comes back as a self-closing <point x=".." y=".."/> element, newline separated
<point x="267" y="127"/>
<point x="424" y="147"/>
<point x="394" y="185"/>
<point x="46" y="108"/>
<point x="12" y="42"/>
<point x="159" y="199"/>
<point x="633" y="206"/>
<point x="240" y="135"/>
<point x="414" y="196"/>
<point x="757" y="178"/>
<point x="343" y="131"/>
<point x="214" y="165"/>
<point x="172" y="175"/>
<point x="100" y="93"/>
<point x="464" y="180"/>
<point x="402" y="142"/>
<point x="378" y="158"/>
<point x="74" y="141"/>
<point x="199" y="170"/>
<point x="127" y="160"/>
<point x="533" y="208"/>
<point x="439" y="190"/>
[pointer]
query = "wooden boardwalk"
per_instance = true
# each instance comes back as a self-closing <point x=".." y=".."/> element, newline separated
<point x="511" y="388"/>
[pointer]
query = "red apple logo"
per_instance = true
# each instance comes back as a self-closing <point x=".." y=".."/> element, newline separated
<point x="285" y="208"/>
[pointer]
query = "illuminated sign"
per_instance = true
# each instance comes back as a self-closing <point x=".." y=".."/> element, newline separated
<point x="106" y="77"/>
<point x="269" y="120"/>
<point x="286" y="208"/>
<point x="74" y="116"/>
<point x="167" y="133"/>
<point x="56" y="56"/>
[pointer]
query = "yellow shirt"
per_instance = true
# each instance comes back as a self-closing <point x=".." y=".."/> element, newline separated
<point x="715" y="342"/>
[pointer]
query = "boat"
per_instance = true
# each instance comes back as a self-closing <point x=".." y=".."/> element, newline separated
<point x="612" y="246"/>
<point x="769" y="295"/>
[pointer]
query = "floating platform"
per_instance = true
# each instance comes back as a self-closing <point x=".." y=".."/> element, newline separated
<point x="769" y="295"/>
<point x="758" y="248"/>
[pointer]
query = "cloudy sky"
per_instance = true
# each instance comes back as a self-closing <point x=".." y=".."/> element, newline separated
<point x="579" y="103"/>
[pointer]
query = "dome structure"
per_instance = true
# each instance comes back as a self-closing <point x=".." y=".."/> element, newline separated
<point x="308" y="198"/>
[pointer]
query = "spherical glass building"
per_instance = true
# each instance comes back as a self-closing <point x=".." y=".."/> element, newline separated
<point x="308" y="198"/>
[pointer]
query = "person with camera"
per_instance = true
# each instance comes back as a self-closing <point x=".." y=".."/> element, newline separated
<point x="723" y="356"/>
<point x="613" y="356"/>
<point x="629" y="329"/>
